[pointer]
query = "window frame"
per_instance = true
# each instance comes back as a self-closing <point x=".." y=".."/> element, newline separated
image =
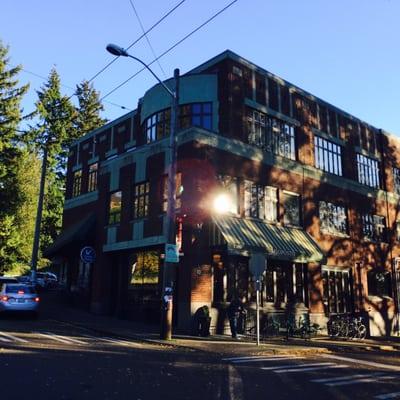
<point x="336" y="221"/>
<point x="140" y="200"/>
<point x="114" y="217"/>
<point x="92" y="177"/>
<point x="327" y="156"/>
<point x="282" y="198"/>
<point x="373" y="227"/>
<point x="368" y="171"/>
<point x="77" y="183"/>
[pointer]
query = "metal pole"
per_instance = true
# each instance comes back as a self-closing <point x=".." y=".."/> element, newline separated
<point x="36" y="238"/>
<point x="258" y="310"/>
<point x="169" y="268"/>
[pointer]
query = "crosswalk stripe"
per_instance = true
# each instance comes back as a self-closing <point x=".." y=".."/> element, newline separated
<point x="384" y="396"/>
<point x="362" y="362"/>
<point x="254" y="357"/>
<point x="61" y="339"/>
<point x="15" y="338"/>
<point x="251" y="360"/>
<point x="303" y="365"/>
<point x="307" y="369"/>
<point x="3" y="339"/>
<point x="345" y="377"/>
<point x="361" y="380"/>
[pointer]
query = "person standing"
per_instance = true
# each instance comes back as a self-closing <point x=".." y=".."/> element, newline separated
<point x="235" y="310"/>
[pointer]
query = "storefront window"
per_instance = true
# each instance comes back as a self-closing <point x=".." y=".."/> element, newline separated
<point x="379" y="283"/>
<point x="337" y="291"/>
<point x="145" y="268"/>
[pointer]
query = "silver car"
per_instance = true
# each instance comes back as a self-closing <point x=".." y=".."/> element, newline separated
<point x="18" y="297"/>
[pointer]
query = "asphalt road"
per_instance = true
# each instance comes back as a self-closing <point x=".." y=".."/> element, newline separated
<point x="47" y="359"/>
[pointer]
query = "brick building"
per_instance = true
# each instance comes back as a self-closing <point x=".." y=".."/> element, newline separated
<point x="310" y="186"/>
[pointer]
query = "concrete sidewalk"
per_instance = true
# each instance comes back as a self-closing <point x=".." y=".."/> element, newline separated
<point x="55" y="307"/>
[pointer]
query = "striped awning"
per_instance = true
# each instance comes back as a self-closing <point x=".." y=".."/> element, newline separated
<point x="282" y="243"/>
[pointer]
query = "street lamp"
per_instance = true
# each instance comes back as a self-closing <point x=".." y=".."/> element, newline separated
<point x="169" y="231"/>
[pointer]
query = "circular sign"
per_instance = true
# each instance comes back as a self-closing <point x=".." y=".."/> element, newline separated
<point x="88" y="255"/>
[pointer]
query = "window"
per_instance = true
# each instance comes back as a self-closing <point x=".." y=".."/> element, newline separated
<point x="114" y="210"/>
<point x="92" y="180"/>
<point x="398" y="231"/>
<point x="291" y="207"/>
<point x="328" y="156"/>
<point x="284" y="283"/>
<point x="178" y="192"/>
<point x="396" y="179"/>
<point x="337" y="291"/>
<point x="254" y="203"/>
<point x="271" y="134"/>
<point x="229" y="187"/>
<point x="373" y="227"/>
<point x="368" y="171"/>
<point x="271" y="204"/>
<point x="145" y="268"/>
<point x="379" y="283"/>
<point x="158" y="125"/>
<point x="195" y="114"/>
<point x="333" y="218"/>
<point x="76" y="184"/>
<point x="141" y="200"/>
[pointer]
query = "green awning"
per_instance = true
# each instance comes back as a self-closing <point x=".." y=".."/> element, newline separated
<point x="282" y="243"/>
<point x="75" y="234"/>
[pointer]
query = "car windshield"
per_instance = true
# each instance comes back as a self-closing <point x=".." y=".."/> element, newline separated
<point x="19" y="289"/>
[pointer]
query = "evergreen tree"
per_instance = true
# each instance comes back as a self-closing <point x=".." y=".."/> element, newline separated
<point x="54" y="130"/>
<point x="89" y="109"/>
<point x="11" y="94"/>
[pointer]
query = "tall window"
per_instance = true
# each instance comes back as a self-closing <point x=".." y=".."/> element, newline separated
<point x="328" y="156"/>
<point x="333" y="218"/>
<point x="283" y="141"/>
<point x="158" y="125"/>
<point x="77" y="183"/>
<point x="396" y="178"/>
<point x="254" y="203"/>
<point x="141" y="200"/>
<point x="271" y="204"/>
<point x="114" y="209"/>
<point x="337" y="291"/>
<point x="368" y="171"/>
<point x="373" y="227"/>
<point x="398" y="231"/>
<point x="271" y="134"/>
<point x="196" y="114"/>
<point x="92" y="180"/>
<point x="291" y="207"/>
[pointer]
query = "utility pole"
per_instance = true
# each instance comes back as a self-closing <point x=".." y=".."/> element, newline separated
<point x="36" y="238"/>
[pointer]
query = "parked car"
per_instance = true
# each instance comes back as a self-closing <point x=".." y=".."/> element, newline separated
<point x="18" y="297"/>
<point x="46" y="279"/>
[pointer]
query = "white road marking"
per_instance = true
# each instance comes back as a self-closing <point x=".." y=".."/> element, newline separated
<point x="254" y="357"/>
<point x="307" y="369"/>
<point x="3" y="339"/>
<point x="393" y="395"/>
<point x="61" y="339"/>
<point x="235" y="384"/>
<point x="345" y="377"/>
<point x="15" y="338"/>
<point x="251" y="360"/>
<point x="362" y="362"/>
<point x="375" y="379"/>
<point x="296" y="365"/>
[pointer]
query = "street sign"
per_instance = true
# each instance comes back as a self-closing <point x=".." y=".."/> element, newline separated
<point x="257" y="264"/>
<point x="88" y="255"/>
<point x="171" y="253"/>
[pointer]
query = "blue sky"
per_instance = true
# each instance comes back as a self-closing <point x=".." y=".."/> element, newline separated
<point x="346" y="52"/>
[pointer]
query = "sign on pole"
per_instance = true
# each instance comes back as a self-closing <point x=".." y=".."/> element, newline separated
<point x="171" y="253"/>
<point x="88" y="254"/>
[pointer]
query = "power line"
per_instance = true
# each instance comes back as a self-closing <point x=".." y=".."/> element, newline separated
<point x="70" y="88"/>
<point x="171" y="48"/>
<point x="147" y="38"/>
<point x="138" y="39"/>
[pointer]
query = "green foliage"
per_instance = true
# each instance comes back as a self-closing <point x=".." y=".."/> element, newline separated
<point x="11" y="197"/>
<point x="89" y="108"/>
